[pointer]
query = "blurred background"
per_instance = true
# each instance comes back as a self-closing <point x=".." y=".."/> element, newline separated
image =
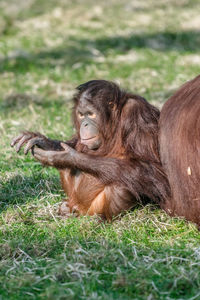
<point x="48" y="47"/>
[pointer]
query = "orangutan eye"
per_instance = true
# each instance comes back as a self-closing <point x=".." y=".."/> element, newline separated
<point x="80" y="115"/>
<point x="91" y="115"/>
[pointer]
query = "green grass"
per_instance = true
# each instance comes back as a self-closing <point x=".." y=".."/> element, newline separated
<point x="47" y="48"/>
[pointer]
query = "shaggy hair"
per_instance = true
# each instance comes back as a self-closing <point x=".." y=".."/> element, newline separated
<point x="179" y="140"/>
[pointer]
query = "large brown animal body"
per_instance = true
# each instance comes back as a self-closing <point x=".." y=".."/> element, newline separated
<point x="112" y="162"/>
<point x="180" y="150"/>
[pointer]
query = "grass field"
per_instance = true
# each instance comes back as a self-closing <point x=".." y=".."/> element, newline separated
<point x="47" y="48"/>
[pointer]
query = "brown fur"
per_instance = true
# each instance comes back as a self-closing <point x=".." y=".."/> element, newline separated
<point x="180" y="150"/>
<point x="126" y="168"/>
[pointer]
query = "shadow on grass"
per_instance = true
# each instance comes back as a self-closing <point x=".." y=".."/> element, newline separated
<point x="24" y="189"/>
<point x="18" y="101"/>
<point x="85" y="51"/>
<point x="162" y="41"/>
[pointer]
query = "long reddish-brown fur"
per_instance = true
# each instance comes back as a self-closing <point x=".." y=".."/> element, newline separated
<point x="126" y="169"/>
<point x="179" y="140"/>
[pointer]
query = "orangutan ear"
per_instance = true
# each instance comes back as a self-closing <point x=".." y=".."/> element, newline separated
<point x="112" y="105"/>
